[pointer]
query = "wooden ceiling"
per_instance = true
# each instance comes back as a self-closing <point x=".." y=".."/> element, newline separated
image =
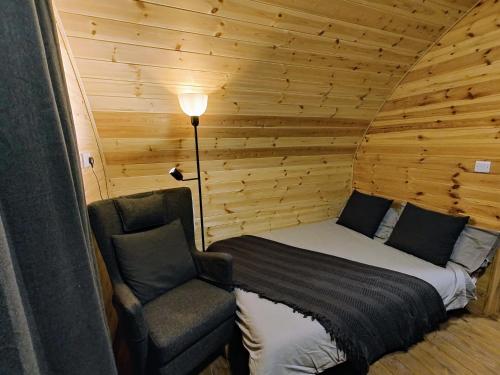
<point x="293" y="86"/>
<point x="311" y="58"/>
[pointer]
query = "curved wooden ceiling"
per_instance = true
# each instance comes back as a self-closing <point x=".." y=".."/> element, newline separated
<point x="293" y="86"/>
<point x="311" y="58"/>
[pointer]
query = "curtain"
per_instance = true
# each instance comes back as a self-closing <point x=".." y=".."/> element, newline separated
<point x="51" y="316"/>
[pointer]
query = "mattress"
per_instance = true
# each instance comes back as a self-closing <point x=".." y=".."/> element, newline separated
<point x="281" y="341"/>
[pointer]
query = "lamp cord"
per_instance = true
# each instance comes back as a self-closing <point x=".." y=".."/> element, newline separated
<point x="91" y="161"/>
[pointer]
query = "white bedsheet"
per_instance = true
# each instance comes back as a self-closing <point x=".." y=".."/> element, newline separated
<point x="281" y="341"/>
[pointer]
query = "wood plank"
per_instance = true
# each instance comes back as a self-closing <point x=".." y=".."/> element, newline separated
<point x="180" y="36"/>
<point x="444" y="116"/>
<point x="100" y="87"/>
<point x="261" y="58"/>
<point x="349" y="81"/>
<point x="137" y="54"/>
<point x="432" y="356"/>
<point x="95" y="179"/>
<point x="381" y="19"/>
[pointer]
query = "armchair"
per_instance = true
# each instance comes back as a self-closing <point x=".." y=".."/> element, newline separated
<point x="184" y="328"/>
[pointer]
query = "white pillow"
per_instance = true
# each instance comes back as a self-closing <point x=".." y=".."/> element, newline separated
<point x="475" y="248"/>
<point x="389" y="221"/>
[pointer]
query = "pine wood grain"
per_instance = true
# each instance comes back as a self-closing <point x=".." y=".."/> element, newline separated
<point x="465" y="345"/>
<point x="256" y="58"/>
<point x="275" y="70"/>
<point x="259" y="173"/>
<point x="292" y="85"/>
<point x="444" y="116"/>
<point x="95" y="186"/>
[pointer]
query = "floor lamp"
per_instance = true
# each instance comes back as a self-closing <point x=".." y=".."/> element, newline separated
<point x="194" y="105"/>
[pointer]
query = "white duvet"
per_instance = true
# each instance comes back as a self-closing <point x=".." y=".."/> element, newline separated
<point x="281" y="341"/>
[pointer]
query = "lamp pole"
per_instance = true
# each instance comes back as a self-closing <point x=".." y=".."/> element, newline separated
<point x="195" y="121"/>
<point x="194" y="105"/>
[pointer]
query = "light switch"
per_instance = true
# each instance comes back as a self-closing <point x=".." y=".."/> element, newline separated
<point x="85" y="156"/>
<point x="482" y="166"/>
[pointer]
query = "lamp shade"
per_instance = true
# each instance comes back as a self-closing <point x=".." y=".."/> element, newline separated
<point x="193" y="104"/>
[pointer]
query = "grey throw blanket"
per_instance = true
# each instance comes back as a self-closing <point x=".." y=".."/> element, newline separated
<point x="369" y="311"/>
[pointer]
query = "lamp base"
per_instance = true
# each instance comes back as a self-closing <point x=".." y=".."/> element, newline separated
<point x="195" y="120"/>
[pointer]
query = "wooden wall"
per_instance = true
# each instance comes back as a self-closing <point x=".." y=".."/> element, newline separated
<point x="444" y="116"/>
<point x="86" y="133"/>
<point x="292" y="86"/>
<point x="258" y="173"/>
<point x="87" y="139"/>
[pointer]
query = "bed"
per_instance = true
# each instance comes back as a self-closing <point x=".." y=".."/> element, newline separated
<point x="280" y="341"/>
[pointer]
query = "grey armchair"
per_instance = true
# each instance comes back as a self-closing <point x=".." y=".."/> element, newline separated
<point x="183" y="329"/>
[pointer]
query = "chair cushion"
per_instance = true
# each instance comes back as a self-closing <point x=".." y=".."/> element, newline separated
<point x="154" y="261"/>
<point x="426" y="234"/>
<point x="363" y="213"/>
<point x="180" y="317"/>
<point x="140" y="213"/>
<point x="202" y="352"/>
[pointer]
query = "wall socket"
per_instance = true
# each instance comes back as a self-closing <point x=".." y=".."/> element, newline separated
<point x="85" y="159"/>
<point x="482" y="166"/>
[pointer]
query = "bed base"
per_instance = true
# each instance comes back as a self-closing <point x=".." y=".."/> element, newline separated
<point x="238" y="359"/>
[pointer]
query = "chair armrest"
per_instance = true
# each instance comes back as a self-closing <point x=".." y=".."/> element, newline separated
<point x="216" y="268"/>
<point x="131" y="308"/>
<point x="133" y="326"/>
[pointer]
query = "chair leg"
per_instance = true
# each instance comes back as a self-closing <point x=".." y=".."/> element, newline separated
<point x="130" y="358"/>
<point x="123" y="357"/>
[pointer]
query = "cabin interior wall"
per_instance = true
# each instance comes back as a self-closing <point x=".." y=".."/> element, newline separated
<point x="292" y="86"/>
<point x="443" y="117"/>
<point x="87" y="140"/>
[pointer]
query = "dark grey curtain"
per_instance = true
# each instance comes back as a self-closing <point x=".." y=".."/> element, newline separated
<point x="51" y="316"/>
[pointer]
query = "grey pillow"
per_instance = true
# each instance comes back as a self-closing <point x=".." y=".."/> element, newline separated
<point x="474" y="246"/>
<point x="154" y="261"/>
<point x="142" y="212"/>
<point x="389" y="221"/>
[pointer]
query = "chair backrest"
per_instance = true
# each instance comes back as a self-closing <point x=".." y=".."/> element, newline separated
<point x="106" y="222"/>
